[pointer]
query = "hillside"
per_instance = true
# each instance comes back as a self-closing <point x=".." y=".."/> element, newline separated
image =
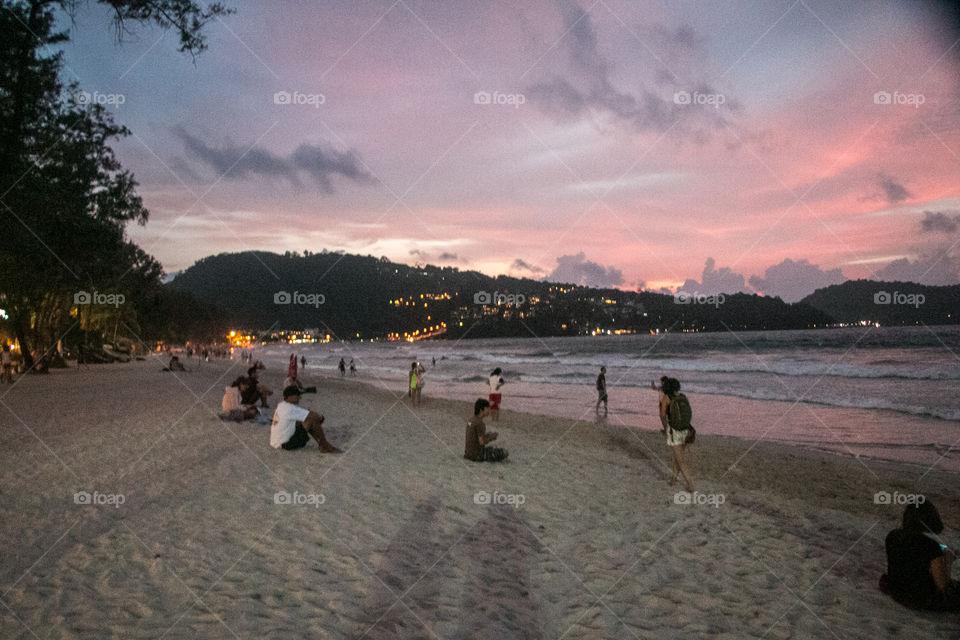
<point x="353" y="296"/>
<point x="889" y="303"/>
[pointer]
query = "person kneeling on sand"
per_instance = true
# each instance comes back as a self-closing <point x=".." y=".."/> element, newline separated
<point x="476" y="448"/>
<point x="293" y="425"/>
<point x="233" y="408"/>
<point x="918" y="564"/>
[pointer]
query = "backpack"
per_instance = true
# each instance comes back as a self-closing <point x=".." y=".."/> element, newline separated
<point x="679" y="413"/>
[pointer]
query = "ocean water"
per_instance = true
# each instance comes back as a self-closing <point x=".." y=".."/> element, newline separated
<point x="882" y="392"/>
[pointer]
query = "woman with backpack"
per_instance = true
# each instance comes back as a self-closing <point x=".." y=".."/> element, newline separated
<point x="675" y="413"/>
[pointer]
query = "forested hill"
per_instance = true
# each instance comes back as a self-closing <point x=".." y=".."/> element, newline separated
<point x="353" y="296"/>
<point x="889" y="303"/>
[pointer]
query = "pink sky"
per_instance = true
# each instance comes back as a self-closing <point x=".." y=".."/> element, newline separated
<point x="797" y="162"/>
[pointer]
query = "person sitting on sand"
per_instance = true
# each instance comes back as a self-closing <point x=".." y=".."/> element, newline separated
<point x="232" y="404"/>
<point x="918" y="564"/>
<point x="295" y="382"/>
<point x="176" y="365"/>
<point x="293" y="425"/>
<point x="676" y="438"/>
<point x="478" y="438"/>
<point x="496" y="381"/>
<point x="255" y="392"/>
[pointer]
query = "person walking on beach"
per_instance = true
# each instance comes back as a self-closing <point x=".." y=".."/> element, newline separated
<point x="293" y="425"/>
<point x="477" y="439"/>
<point x="416" y="383"/>
<point x="678" y="428"/>
<point x="303" y="363"/>
<point x="353" y="368"/>
<point x="496" y="382"/>
<point x="602" y="390"/>
<point x="343" y="367"/>
<point x="918" y="563"/>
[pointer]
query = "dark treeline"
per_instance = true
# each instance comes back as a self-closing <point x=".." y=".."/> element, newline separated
<point x="67" y="271"/>
<point x="889" y="303"/>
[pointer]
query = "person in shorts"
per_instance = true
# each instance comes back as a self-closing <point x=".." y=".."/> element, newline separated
<point x="496" y="381"/>
<point x="478" y="438"/>
<point x="676" y="439"/>
<point x="602" y="390"/>
<point x="293" y="425"/>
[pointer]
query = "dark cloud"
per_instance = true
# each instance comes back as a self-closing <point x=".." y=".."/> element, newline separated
<point x="446" y="256"/>
<point x="892" y="190"/>
<point x="934" y="269"/>
<point x="319" y="162"/>
<point x="577" y="269"/>
<point x="523" y="265"/>
<point x="938" y="221"/>
<point x="723" y="280"/>
<point x="793" y="281"/>
<point x="587" y="86"/>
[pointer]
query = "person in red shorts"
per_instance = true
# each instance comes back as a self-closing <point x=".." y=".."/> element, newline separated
<point x="496" y="381"/>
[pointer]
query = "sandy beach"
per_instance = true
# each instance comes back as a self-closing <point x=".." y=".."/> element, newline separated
<point x="196" y="528"/>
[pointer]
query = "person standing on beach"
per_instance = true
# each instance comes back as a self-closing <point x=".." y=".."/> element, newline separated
<point x="496" y="381"/>
<point x="6" y="363"/>
<point x="676" y="437"/>
<point x="293" y="425"/>
<point x="353" y="368"/>
<point x="477" y="439"/>
<point x="303" y="363"/>
<point x="343" y="367"/>
<point x="416" y="383"/>
<point x="602" y="390"/>
<point x="292" y="367"/>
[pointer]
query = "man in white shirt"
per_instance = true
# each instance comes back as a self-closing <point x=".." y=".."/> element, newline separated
<point x="293" y="425"/>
